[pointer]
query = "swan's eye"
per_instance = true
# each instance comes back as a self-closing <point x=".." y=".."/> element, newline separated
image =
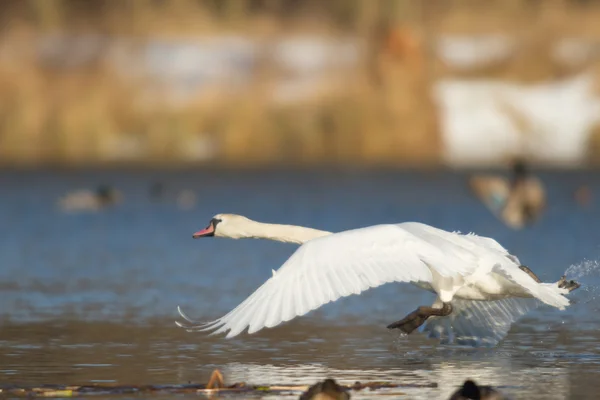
<point x="215" y="221"/>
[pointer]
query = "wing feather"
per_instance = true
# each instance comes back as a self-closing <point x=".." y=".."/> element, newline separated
<point x="491" y="244"/>
<point x="274" y="312"/>
<point x="325" y="269"/>
<point x="329" y="280"/>
<point x="479" y="323"/>
<point x="287" y="306"/>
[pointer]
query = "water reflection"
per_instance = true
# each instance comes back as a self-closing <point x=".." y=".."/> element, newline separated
<point x="79" y="353"/>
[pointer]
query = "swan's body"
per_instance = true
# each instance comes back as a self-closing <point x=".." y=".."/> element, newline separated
<point x="474" y="276"/>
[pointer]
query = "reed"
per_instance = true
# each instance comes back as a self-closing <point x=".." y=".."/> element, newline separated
<point x="380" y="113"/>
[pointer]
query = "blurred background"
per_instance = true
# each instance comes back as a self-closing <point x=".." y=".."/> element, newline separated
<point x="126" y="125"/>
<point x="298" y="82"/>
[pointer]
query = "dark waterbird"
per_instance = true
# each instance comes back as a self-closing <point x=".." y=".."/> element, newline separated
<point x="471" y="391"/>
<point x="326" y="390"/>
<point x="90" y="200"/>
<point x="518" y="201"/>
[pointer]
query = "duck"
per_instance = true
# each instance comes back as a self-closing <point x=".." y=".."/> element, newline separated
<point x="518" y="201"/>
<point x="471" y="391"/>
<point x="325" y="390"/>
<point x="480" y="287"/>
<point x="88" y="200"/>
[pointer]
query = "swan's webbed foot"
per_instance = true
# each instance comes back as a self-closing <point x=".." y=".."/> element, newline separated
<point x="563" y="283"/>
<point x="411" y="322"/>
<point x="418" y="317"/>
<point x="530" y="273"/>
<point x="571" y="285"/>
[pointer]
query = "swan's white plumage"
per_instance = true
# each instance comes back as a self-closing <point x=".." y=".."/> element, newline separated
<point x="329" y="267"/>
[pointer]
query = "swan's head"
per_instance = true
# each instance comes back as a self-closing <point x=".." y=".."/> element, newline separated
<point x="225" y="225"/>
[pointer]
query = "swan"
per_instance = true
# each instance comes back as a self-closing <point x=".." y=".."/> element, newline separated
<point x="517" y="202"/>
<point x="480" y="287"/>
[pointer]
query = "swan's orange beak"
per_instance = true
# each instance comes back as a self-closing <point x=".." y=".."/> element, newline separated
<point x="208" y="231"/>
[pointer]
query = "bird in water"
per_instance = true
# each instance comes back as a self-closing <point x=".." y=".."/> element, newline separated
<point x="471" y="391"/>
<point x="518" y="201"/>
<point x="88" y="200"/>
<point x="480" y="288"/>
<point x="326" y="390"/>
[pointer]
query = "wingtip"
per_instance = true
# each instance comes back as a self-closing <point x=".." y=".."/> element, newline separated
<point x="196" y="326"/>
<point x="183" y="326"/>
<point x="193" y="324"/>
<point x="184" y="315"/>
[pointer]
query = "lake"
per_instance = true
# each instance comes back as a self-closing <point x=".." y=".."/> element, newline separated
<point x="92" y="297"/>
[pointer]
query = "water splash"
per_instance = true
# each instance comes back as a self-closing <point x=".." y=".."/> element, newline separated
<point x="585" y="269"/>
<point x="587" y="273"/>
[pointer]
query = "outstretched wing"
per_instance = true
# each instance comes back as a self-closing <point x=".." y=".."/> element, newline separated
<point x="491" y="244"/>
<point x="327" y="268"/>
<point x="478" y="323"/>
<point x="483" y="246"/>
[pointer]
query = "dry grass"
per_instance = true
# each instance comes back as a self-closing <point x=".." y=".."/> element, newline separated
<point x="382" y="115"/>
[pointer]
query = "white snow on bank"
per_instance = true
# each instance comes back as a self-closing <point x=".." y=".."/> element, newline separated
<point x="186" y="68"/>
<point x="576" y="51"/>
<point x="485" y="122"/>
<point x="464" y="52"/>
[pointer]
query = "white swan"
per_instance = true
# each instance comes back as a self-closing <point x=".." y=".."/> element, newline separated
<point x="481" y="289"/>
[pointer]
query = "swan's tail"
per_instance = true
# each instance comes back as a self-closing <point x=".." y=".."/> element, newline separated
<point x="553" y="295"/>
<point x="549" y="293"/>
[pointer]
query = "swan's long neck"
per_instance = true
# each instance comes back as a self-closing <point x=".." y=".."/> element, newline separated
<point x="280" y="233"/>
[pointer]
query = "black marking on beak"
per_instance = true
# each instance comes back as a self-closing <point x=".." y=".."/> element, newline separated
<point x="209" y="230"/>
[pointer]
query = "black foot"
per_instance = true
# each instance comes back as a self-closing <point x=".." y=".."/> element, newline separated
<point x="409" y="323"/>
<point x="571" y="285"/>
<point x="418" y="317"/>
